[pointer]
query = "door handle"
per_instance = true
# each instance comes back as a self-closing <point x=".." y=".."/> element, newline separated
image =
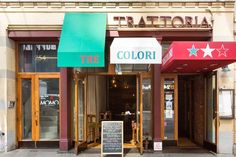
<point x="36" y="122"/>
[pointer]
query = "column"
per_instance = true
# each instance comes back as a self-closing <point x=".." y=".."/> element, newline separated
<point x="157" y="103"/>
<point x="65" y="112"/>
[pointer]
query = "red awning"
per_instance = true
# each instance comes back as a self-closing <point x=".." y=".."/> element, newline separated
<point x="194" y="57"/>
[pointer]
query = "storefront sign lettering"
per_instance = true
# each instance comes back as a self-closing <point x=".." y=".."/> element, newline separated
<point x="135" y="51"/>
<point x="136" y="55"/>
<point x="49" y="100"/>
<point x="40" y="47"/>
<point x="89" y="59"/>
<point x="162" y="22"/>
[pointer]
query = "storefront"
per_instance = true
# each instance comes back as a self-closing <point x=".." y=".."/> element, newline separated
<point x="76" y="69"/>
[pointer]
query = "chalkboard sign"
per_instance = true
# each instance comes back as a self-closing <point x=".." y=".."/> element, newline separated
<point x="112" y="137"/>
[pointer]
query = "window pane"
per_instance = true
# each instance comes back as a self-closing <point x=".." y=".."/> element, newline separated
<point x="169" y="109"/>
<point x="26" y="109"/>
<point x="49" y="108"/>
<point x="26" y="61"/>
<point x="211" y="117"/>
<point x="46" y="58"/>
<point x="147" y="114"/>
<point x="81" y="102"/>
<point x="38" y="58"/>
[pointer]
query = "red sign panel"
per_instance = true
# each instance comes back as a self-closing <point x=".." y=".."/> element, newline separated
<point x="194" y="57"/>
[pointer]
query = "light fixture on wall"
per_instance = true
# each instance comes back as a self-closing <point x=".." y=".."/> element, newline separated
<point x="225" y="68"/>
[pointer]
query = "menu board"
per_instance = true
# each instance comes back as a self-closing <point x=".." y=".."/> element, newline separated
<point x="112" y="137"/>
<point x="226" y="103"/>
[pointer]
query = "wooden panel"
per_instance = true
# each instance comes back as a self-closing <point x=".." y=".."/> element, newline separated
<point x="162" y="107"/>
<point x="36" y="108"/>
<point x="176" y="107"/>
<point x="41" y="75"/>
<point x="76" y="114"/>
<point x="33" y="110"/>
<point x="19" y="110"/>
<point x="141" y="114"/>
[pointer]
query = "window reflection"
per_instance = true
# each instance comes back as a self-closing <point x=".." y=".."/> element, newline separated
<point x="147" y="114"/>
<point x="38" y="58"/>
<point x="49" y="108"/>
<point x="26" y="109"/>
<point x="169" y="109"/>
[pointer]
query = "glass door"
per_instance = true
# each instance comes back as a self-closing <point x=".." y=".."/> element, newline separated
<point x="211" y="112"/>
<point x="139" y="113"/>
<point x="24" y="112"/>
<point x="38" y="110"/>
<point x="80" y="114"/>
<point x="47" y="112"/>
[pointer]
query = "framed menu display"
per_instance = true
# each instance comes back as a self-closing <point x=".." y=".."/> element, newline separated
<point x="226" y="103"/>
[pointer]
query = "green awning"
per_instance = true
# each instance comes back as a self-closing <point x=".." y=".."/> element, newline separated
<point x="82" y="40"/>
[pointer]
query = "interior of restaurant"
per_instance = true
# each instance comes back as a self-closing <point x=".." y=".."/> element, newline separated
<point x="114" y="98"/>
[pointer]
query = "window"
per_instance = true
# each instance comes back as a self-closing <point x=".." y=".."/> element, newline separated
<point x="38" y="58"/>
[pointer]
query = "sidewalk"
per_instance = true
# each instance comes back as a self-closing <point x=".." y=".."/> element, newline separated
<point x="56" y="153"/>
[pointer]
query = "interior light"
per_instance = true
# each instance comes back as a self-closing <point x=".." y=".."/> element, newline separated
<point x="113" y="80"/>
<point x="179" y="68"/>
<point x="184" y="65"/>
<point x="205" y="68"/>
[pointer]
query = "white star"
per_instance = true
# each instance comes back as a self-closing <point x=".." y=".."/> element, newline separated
<point x="207" y="51"/>
<point x="222" y="51"/>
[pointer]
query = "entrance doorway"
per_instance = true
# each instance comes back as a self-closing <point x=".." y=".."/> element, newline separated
<point x="122" y="103"/>
<point x="197" y="108"/>
<point x="189" y="105"/>
<point x="38" y="110"/>
<point x="107" y="98"/>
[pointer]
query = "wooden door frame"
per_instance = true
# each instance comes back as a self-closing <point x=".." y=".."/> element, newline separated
<point x="80" y="146"/>
<point x="175" y="77"/>
<point x="34" y="102"/>
<point x="139" y="91"/>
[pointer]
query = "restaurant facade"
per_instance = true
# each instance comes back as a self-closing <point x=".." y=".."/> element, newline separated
<point x="163" y="68"/>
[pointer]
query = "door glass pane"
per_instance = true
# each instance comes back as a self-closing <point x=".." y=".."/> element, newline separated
<point x="147" y="114"/>
<point x="211" y="116"/>
<point x="26" y="109"/>
<point x="81" y="109"/>
<point x="49" y="108"/>
<point x="169" y="109"/>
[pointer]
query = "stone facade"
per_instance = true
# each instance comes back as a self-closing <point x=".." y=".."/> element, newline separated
<point x="45" y="15"/>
